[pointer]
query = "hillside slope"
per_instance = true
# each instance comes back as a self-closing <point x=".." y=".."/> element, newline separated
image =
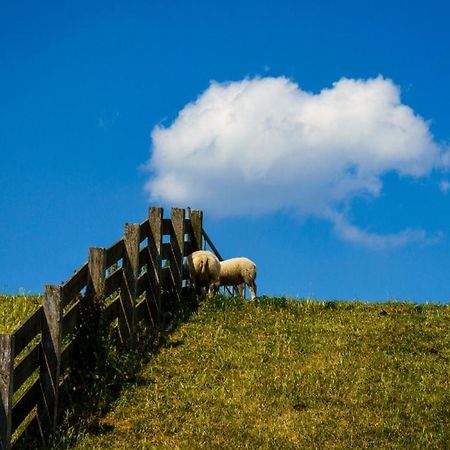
<point x="291" y="374"/>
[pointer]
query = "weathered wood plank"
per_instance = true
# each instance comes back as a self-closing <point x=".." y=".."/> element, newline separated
<point x="155" y="242"/>
<point x="96" y="274"/>
<point x="166" y="251"/>
<point x="188" y="226"/>
<point x="196" y="238"/>
<point x="177" y="238"/>
<point x="151" y="294"/>
<point x="155" y="220"/>
<point x="188" y="249"/>
<point x="177" y="244"/>
<point x="211" y="245"/>
<point x="6" y="388"/>
<point x="32" y="429"/>
<point x="153" y="269"/>
<point x="51" y="355"/>
<point x="129" y="283"/>
<point x="25" y="368"/>
<point x="185" y="273"/>
<point x="111" y="312"/>
<point x="153" y="281"/>
<point x="27" y="331"/>
<point x="185" y="292"/>
<point x="70" y="319"/>
<point x="176" y="275"/>
<point x="142" y="284"/>
<point x="114" y="253"/>
<point x="72" y="287"/>
<point x="153" y="291"/>
<point x="113" y="282"/>
<point x="141" y="311"/>
<point x="167" y="226"/>
<point x="166" y="276"/>
<point x="144" y="257"/>
<point x="67" y="355"/>
<point x="144" y="230"/>
<point x="67" y="395"/>
<point x="25" y="404"/>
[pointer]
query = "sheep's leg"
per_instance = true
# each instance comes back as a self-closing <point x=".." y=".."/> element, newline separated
<point x="216" y="286"/>
<point x="252" y="287"/>
<point x="211" y="290"/>
<point x="200" y="290"/>
<point x="195" y="286"/>
<point x="241" y="290"/>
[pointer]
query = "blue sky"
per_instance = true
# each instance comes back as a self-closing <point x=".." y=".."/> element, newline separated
<point x="84" y="86"/>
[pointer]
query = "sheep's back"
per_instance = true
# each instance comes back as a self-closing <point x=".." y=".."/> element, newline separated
<point x="235" y="271"/>
<point x="204" y="266"/>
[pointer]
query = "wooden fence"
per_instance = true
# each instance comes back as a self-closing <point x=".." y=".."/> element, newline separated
<point x="133" y="274"/>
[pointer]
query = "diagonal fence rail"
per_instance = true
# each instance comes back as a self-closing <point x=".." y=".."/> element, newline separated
<point x="209" y="245"/>
<point x="137" y="279"/>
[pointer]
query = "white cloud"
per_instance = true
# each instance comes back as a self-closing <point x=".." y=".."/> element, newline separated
<point x="262" y="145"/>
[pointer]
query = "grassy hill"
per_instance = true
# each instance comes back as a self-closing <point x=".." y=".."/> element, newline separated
<point x="287" y="374"/>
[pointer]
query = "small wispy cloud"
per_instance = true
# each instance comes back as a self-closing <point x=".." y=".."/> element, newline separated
<point x="262" y="145"/>
<point x="105" y="121"/>
<point x="444" y="186"/>
<point x="378" y="241"/>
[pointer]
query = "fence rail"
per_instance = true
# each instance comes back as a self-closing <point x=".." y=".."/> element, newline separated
<point x="132" y="274"/>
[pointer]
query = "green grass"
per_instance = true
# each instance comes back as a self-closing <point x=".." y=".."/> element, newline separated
<point x="287" y="374"/>
<point x="15" y="309"/>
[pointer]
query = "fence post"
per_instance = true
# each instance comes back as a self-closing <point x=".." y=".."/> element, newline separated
<point x="88" y="331"/>
<point x="6" y="388"/>
<point x="51" y="355"/>
<point x="177" y="243"/>
<point x="96" y="278"/>
<point x="155" y="218"/>
<point x="128" y="288"/>
<point x="197" y="228"/>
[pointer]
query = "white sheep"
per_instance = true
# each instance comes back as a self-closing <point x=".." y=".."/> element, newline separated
<point x="236" y="272"/>
<point x="204" y="268"/>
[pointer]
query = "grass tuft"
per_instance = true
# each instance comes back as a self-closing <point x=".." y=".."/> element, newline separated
<point x="15" y="309"/>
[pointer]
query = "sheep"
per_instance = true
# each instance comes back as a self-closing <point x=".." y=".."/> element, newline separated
<point x="236" y="272"/>
<point x="203" y="267"/>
